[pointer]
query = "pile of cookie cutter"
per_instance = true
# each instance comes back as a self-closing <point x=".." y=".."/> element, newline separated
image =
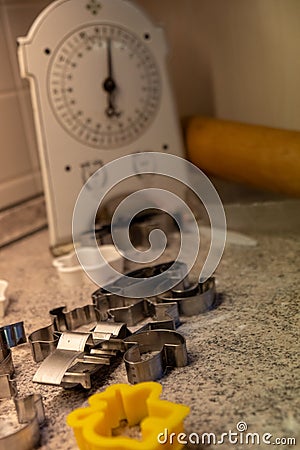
<point x="79" y="342"/>
<point x="137" y="405"/>
<point x="30" y="409"/>
<point x="191" y="297"/>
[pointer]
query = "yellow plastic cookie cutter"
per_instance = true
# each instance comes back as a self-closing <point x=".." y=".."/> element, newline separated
<point x="138" y="405"/>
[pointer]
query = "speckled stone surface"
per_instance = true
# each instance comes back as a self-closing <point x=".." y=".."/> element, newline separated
<point x="243" y="356"/>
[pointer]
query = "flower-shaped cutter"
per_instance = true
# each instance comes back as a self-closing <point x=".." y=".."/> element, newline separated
<point x="138" y="405"/>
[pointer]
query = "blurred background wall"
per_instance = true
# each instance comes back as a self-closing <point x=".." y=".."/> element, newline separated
<point x="231" y="59"/>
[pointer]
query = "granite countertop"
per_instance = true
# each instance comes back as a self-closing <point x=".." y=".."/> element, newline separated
<point x="243" y="355"/>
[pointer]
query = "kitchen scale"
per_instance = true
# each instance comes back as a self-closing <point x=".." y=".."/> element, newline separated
<point x="99" y="90"/>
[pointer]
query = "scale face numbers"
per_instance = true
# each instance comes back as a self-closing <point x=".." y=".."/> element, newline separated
<point x="82" y="59"/>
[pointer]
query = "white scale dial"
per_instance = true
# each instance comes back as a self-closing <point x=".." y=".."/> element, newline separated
<point x="122" y="103"/>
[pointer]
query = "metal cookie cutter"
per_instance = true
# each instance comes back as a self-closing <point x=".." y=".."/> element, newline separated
<point x="8" y="386"/>
<point x="121" y="309"/>
<point x="93" y="426"/>
<point x="14" y="334"/>
<point x="80" y="355"/>
<point x="10" y="336"/>
<point x="70" y="346"/>
<point x="30" y="409"/>
<point x="132" y="311"/>
<point x="84" y="319"/>
<point x="170" y="348"/>
<point x="176" y="271"/>
<point x="44" y="340"/>
<point x="142" y="226"/>
<point x="30" y="412"/>
<point x="139" y="231"/>
<point x="193" y="300"/>
<point x="112" y="304"/>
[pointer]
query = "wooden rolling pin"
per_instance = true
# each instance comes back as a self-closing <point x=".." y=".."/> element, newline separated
<point x="262" y="157"/>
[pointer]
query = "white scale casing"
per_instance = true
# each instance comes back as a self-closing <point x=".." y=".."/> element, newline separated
<point x="81" y="126"/>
